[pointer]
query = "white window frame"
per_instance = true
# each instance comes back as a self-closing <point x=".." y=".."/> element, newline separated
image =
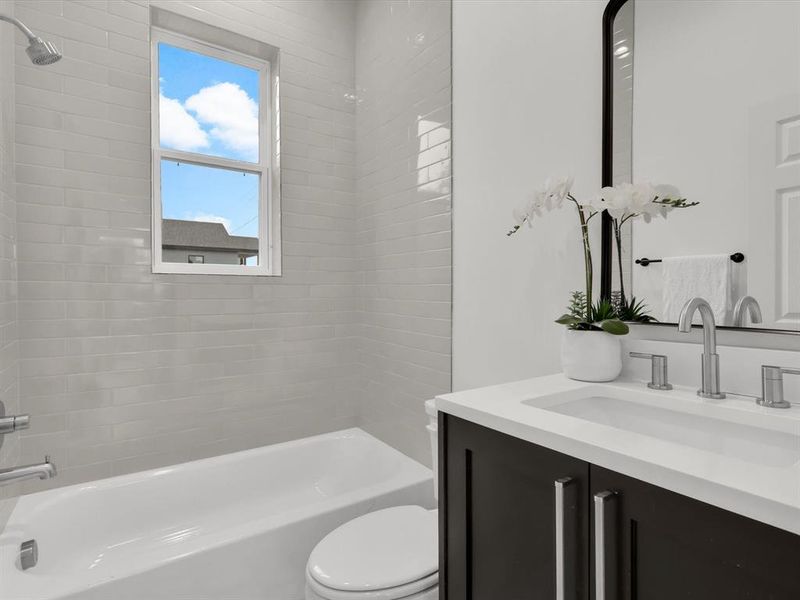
<point x="267" y="167"/>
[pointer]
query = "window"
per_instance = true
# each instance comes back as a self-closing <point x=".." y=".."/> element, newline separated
<point x="216" y="200"/>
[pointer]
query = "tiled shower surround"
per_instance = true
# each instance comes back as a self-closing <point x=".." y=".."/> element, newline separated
<point x="123" y="370"/>
<point x="403" y="214"/>
<point x="9" y="347"/>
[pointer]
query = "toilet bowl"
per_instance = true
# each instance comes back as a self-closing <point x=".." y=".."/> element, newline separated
<point x="384" y="555"/>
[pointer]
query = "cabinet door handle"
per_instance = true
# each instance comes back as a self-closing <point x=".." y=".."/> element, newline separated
<point x="566" y="503"/>
<point x="605" y="546"/>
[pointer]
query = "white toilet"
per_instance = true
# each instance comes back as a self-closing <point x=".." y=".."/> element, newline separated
<point x="384" y="555"/>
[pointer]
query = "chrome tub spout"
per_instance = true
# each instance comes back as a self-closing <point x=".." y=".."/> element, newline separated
<point x="44" y="470"/>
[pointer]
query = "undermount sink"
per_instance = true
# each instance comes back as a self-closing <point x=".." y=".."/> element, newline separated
<point x="749" y="443"/>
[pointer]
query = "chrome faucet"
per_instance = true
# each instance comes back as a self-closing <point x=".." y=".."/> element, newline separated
<point x="710" y="361"/>
<point x="772" y="386"/>
<point x="659" y="380"/>
<point x="44" y="470"/>
<point x="751" y="305"/>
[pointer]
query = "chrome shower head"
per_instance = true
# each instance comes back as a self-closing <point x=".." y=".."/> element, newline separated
<point x="39" y="51"/>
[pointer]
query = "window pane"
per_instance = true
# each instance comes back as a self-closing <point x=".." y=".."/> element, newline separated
<point x="210" y="213"/>
<point x="207" y="105"/>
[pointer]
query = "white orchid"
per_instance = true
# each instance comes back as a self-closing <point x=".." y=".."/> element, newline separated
<point x="627" y="201"/>
<point x="630" y="200"/>
<point x="551" y="195"/>
<point x="556" y="190"/>
<point x="534" y="207"/>
<point x="622" y="202"/>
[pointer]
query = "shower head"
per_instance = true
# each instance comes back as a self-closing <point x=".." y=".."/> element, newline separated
<point x="39" y="51"/>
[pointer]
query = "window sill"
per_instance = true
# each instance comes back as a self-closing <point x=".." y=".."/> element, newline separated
<point x="208" y="269"/>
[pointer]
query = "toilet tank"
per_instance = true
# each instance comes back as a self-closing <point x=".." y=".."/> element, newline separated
<point x="433" y="431"/>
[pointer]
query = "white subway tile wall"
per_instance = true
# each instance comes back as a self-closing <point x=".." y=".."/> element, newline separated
<point x="403" y="216"/>
<point x="9" y="347"/>
<point x="123" y="370"/>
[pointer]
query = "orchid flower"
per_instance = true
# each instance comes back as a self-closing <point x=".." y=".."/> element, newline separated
<point x="548" y="197"/>
<point x="622" y="202"/>
<point x="627" y="201"/>
<point x="631" y="200"/>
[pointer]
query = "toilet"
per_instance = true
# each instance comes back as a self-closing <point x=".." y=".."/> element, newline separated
<point x="384" y="555"/>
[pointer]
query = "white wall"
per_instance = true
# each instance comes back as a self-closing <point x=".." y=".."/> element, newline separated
<point x="403" y="215"/>
<point x="526" y="104"/>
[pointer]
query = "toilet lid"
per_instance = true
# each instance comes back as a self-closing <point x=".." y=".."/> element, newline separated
<point x="384" y="549"/>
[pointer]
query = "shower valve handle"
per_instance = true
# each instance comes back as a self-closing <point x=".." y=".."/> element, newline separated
<point x="14" y="423"/>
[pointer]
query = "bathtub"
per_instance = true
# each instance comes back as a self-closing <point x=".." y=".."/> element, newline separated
<point x="233" y="527"/>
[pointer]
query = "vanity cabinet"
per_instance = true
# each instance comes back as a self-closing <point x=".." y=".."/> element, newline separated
<point x="519" y="521"/>
<point x="498" y="526"/>
<point x="666" y="546"/>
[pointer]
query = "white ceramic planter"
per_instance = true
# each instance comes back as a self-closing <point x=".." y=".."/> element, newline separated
<point x="591" y="355"/>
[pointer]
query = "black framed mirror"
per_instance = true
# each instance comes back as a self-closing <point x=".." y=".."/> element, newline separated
<point x="705" y="96"/>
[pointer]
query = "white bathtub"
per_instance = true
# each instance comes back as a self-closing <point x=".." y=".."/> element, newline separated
<point x="233" y="527"/>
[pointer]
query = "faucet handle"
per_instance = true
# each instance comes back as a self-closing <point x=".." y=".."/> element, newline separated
<point x="659" y="379"/>
<point x="772" y="386"/>
<point x="12" y="423"/>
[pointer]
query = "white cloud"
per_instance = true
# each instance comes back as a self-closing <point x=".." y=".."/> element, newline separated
<point x="206" y="218"/>
<point x="231" y="114"/>
<point x="179" y="129"/>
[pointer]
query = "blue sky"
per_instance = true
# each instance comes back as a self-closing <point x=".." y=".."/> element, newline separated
<point x="208" y="106"/>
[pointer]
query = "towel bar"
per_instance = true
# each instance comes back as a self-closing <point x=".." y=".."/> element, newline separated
<point x="736" y="257"/>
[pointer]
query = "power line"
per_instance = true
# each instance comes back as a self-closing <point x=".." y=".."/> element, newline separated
<point x="245" y="224"/>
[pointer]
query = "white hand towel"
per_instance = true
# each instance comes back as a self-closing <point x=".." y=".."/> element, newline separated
<point x="708" y="276"/>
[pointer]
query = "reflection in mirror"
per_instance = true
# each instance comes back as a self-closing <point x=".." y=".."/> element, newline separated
<point x="622" y="141"/>
<point x="708" y="99"/>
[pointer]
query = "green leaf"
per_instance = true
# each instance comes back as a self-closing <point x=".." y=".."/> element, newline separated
<point x="567" y="319"/>
<point x="634" y="310"/>
<point x="602" y="310"/>
<point x="577" y="305"/>
<point x="613" y="326"/>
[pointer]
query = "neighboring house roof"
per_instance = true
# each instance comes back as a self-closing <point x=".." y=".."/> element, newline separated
<point x="209" y="236"/>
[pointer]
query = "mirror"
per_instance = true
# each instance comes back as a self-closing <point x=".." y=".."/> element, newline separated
<point x="705" y="96"/>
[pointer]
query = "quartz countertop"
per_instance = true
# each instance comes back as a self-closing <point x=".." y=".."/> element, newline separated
<point x="721" y="475"/>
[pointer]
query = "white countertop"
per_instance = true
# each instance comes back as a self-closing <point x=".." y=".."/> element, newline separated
<point x="770" y="494"/>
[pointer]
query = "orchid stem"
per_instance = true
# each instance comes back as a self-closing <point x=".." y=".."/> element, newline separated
<point x="587" y="257"/>
<point x="618" y="237"/>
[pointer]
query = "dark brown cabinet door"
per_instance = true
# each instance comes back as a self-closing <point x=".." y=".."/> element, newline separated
<point x="500" y="523"/>
<point x="665" y="546"/>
